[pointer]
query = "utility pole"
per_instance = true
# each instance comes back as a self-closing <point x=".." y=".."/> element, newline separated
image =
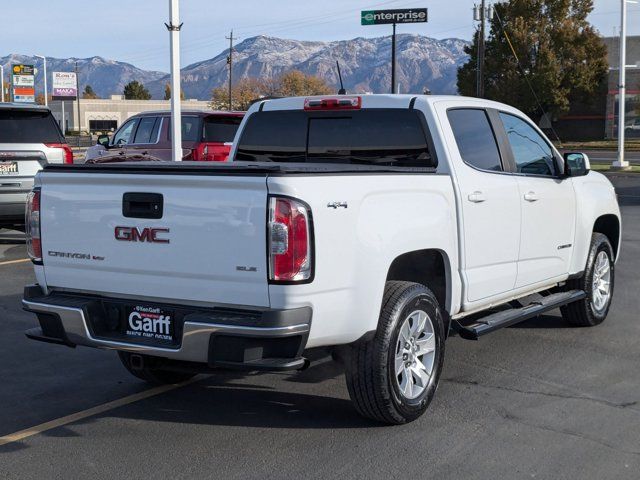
<point x="2" y="83"/>
<point x="393" y="59"/>
<point x="230" y="63"/>
<point x="174" y="27"/>
<point x="621" y="163"/>
<point x="480" y="68"/>
<point x="78" y="96"/>
<point x="46" y="90"/>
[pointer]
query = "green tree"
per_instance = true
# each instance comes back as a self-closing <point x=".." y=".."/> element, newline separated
<point x="88" y="93"/>
<point x="135" y="90"/>
<point x="560" y="54"/>
<point x="167" y="92"/>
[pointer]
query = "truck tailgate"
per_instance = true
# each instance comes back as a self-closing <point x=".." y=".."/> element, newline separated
<point x="210" y="246"/>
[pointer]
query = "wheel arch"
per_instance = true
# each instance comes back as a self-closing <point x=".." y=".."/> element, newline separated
<point x="609" y="225"/>
<point x="430" y="267"/>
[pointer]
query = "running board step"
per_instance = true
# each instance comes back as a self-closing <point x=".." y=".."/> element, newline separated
<point x="506" y="318"/>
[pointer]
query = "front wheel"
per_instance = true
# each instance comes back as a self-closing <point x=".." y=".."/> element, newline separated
<point x="597" y="281"/>
<point x="393" y="377"/>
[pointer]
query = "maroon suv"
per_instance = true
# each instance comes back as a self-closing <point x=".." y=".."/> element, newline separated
<point x="206" y="136"/>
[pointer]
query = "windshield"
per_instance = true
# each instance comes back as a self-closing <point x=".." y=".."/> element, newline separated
<point x="391" y="137"/>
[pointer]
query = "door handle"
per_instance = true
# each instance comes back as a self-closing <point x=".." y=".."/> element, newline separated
<point x="476" y="197"/>
<point x="531" y="197"/>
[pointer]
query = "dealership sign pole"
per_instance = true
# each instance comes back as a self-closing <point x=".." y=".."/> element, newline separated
<point x="65" y="87"/>
<point x="174" y="27"/>
<point x="23" y="83"/>
<point x="393" y="17"/>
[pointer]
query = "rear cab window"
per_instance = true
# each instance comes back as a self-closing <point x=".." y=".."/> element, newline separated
<point x="384" y="137"/>
<point x="28" y="126"/>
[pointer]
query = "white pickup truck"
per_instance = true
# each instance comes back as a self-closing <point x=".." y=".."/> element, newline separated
<point x="368" y="225"/>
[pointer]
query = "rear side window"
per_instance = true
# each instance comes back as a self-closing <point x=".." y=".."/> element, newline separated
<point x="190" y="129"/>
<point x="144" y="133"/>
<point x="17" y="126"/>
<point x="220" y="129"/>
<point x="475" y="139"/>
<point x="391" y="137"/>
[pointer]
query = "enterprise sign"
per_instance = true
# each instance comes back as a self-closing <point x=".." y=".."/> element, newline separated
<point x="404" y="15"/>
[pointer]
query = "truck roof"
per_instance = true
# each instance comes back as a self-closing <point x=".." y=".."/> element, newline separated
<point x="375" y="101"/>
<point x="22" y="106"/>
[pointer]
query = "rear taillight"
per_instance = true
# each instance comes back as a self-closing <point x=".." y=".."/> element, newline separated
<point x="333" y="103"/>
<point x="211" y="152"/>
<point x="67" y="154"/>
<point x="32" y="226"/>
<point x="290" y="252"/>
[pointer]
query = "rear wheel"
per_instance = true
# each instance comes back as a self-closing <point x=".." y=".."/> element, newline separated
<point x="393" y="377"/>
<point x="148" y="373"/>
<point x="597" y="282"/>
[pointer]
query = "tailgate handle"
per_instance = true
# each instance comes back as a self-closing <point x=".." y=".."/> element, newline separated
<point x="142" y="205"/>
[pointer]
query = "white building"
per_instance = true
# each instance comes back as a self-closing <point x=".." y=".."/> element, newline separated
<point x="105" y="114"/>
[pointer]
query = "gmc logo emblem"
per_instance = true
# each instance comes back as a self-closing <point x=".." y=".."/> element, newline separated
<point x="134" y="234"/>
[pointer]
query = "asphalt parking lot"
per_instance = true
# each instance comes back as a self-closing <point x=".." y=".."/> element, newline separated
<point x="540" y="400"/>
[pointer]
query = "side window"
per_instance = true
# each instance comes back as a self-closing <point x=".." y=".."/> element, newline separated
<point x="123" y="135"/>
<point x="475" y="138"/>
<point x="531" y="152"/>
<point x="145" y="130"/>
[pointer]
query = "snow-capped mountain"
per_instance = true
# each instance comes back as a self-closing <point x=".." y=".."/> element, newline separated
<point x="423" y="62"/>
<point x="365" y="64"/>
<point x="106" y="77"/>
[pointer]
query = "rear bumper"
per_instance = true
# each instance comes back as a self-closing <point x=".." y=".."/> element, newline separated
<point x="238" y="338"/>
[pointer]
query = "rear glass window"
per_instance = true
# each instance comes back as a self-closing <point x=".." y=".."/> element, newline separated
<point x="190" y="129"/>
<point x="221" y="129"/>
<point x="18" y="126"/>
<point x="392" y="137"/>
<point x="475" y="139"/>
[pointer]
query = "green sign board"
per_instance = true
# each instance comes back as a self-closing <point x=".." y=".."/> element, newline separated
<point x="385" y="17"/>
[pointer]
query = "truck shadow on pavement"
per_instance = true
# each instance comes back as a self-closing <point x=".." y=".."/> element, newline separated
<point x="11" y="237"/>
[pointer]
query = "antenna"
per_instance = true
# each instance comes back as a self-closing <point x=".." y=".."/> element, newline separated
<point x="342" y="91"/>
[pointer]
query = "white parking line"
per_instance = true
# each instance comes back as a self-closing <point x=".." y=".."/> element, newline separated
<point x="90" y="412"/>
<point x="11" y="262"/>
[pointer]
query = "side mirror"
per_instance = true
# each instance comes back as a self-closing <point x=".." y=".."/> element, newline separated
<point x="103" y="140"/>
<point x="576" y="164"/>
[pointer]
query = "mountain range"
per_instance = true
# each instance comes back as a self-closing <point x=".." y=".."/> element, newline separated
<point x="422" y="62"/>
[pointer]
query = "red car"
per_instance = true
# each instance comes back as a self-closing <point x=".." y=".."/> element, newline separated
<point x="206" y="136"/>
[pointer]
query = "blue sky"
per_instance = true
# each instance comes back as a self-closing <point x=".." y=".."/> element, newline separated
<point x="133" y="30"/>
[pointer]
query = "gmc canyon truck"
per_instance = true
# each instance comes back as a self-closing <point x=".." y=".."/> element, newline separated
<point x="371" y="226"/>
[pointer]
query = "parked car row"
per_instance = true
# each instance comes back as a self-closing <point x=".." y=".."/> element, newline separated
<point x="30" y="138"/>
<point x="206" y="136"/>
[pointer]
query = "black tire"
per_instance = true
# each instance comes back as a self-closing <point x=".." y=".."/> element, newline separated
<point x="372" y="386"/>
<point x="156" y="376"/>
<point x="583" y="313"/>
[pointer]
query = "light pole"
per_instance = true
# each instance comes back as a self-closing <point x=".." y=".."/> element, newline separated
<point x="2" y="83"/>
<point x="621" y="163"/>
<point x="46" y="93"/>
<point x="174" y="27"/>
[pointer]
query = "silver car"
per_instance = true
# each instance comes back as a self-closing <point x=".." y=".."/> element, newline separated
<point x="29" y="139"/>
